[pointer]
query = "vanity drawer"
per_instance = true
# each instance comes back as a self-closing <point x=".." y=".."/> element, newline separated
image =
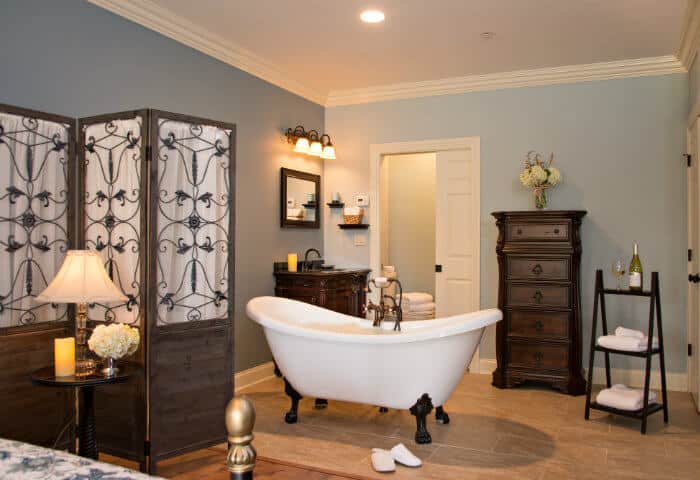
<point x="538" y="324"/>
<point x="544" y="356"/>
<point x="535" y="295"/>
<point x="516" y="232"/>
<point x="523" y="268"/>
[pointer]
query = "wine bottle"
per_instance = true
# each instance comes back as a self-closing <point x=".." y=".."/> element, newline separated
<point x="635" y="271"/>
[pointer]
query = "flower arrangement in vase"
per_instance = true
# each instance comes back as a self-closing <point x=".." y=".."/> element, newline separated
<point x="539" y="176"/>
<point x="112" y="342"/>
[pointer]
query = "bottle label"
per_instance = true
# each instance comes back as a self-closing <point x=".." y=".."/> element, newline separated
<point x="635" y="280"/>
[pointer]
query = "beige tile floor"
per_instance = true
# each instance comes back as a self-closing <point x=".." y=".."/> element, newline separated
<point x="529" y="432"/>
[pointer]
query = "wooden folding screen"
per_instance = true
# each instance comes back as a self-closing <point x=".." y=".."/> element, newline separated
<point x="155" y="197"/>
<point x="36" y="158"/>
<point x="158" y="204"/>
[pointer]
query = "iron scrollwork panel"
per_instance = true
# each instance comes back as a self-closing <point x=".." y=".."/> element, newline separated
<point x="192" y="237"/>
<point x="112" y="209"/>
<point x="34" y="202"/>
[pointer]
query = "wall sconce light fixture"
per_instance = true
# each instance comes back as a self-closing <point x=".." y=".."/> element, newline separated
<point x="311" y="143"/>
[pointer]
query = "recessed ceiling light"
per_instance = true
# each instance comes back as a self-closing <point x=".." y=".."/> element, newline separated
<point x="372" y="16"/>
<point x="488" y="35"/>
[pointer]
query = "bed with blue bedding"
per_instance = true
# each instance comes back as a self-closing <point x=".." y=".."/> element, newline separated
<point x="23" y="461"/>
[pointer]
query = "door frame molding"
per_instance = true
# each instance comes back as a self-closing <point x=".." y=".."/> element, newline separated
<point x="693" y="119"/>
<point x="377" y="151"/>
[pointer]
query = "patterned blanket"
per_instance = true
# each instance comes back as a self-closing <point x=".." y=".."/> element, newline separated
<point x="22" y="461"/>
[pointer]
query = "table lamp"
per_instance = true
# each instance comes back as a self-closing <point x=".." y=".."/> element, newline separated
<point x="82" y="279"/>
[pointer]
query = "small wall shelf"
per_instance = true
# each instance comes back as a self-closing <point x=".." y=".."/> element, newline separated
<point x="356" y="226"/>
<point x="309" y="205"/>
<point x="336" y="204"/>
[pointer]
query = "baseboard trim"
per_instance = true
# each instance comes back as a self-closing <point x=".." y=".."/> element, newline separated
<point x="675" y="382"/>
<point x="253" y="376"/>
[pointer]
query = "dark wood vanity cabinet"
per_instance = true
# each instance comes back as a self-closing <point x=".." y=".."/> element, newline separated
<point x="342" y="291"/>
<point x="539" y="338"/>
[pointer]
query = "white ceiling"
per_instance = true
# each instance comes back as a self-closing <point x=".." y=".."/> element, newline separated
<point x="322" y="44"/>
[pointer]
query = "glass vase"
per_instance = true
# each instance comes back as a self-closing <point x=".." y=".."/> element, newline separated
<point x="110" y="366"/>
<point x="540" y="199"/>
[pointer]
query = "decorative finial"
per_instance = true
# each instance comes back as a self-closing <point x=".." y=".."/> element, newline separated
<point x="240" y="419"/>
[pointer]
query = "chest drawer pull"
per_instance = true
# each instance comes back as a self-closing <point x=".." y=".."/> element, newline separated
<point x="539" y="325"/>
<point x="520" y="231"/>
<point x="538" y="297"/>
<point x="539" y="356"/>
<point x="556" y="231"/>
<point x="537" y="269"/>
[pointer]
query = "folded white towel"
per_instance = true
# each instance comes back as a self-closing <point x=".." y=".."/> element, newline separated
<point x="624" y="398"/>
<point x="629" y="344"/>
<point x="418" y="307"/>
<point x="416" y="298"/>
<point x="628" y="332"/>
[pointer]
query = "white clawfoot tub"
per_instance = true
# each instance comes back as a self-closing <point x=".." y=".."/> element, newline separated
<point x="329" y="355"/>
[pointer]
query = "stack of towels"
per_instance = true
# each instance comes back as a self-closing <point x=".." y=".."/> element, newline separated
<point x="628" y="340"/>
<point x="417" y="306"/>
<point x="624" y="398"/>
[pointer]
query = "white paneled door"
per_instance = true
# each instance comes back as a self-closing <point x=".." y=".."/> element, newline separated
<point x="457" y="233"/>
<point x="693" y="264"/>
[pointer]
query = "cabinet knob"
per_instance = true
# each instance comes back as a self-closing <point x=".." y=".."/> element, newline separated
<point x="519" y="231"/>
<point x="556" y="231"/>
<point x="537" y="269"/>
<point x="539" y="356"/>
<point x="538" y="297"/>
<point x="539" y="325"/>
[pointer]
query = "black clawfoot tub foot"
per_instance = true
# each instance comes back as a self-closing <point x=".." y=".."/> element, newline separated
<point x="320" y="403"/>
<point x="291" y="416"/>
<point x="441" y="416"/>
<point x="421" y="410"/>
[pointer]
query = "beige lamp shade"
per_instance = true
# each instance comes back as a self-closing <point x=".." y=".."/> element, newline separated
<point x="81" y="279"/>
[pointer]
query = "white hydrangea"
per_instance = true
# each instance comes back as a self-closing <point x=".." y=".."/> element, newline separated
<point x="554" y="176"/>
<point x="115" y="340"/>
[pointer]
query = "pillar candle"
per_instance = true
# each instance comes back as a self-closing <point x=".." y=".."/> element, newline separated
<point x="292" y="262"/>
<point x="64" y="356"/>
<point x="336" y="196"/>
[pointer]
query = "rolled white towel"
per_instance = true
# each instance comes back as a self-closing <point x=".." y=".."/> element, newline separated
<point x="624" y="398"/>
<point x="629" y="332"/>
<point x="416" y="298"/>
<point x="419" y="307"/>
<point x="630" y="344"/>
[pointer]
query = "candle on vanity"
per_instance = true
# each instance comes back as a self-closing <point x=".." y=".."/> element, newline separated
<point x="292" y="262"/>
<point x="336" y="196"/>
<point x="64" y="356"/>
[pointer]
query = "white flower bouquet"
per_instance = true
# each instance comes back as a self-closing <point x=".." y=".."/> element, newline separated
<point x="115" y="340"/>
<point x="539" y="176"/>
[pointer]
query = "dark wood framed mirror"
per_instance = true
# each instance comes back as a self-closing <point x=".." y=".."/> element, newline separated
<point x="300" y="199"/>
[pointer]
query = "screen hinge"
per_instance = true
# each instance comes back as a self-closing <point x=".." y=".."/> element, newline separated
<point x="146" y="448"/>
<point x="690" y="254"/>
<point x="690" y="349"/>
<point x="689" y="158"/>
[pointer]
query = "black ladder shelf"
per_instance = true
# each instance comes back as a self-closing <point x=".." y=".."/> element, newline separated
<point x="654" y="314"/>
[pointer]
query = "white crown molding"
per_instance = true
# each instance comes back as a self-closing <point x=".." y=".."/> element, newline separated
<point x="154" y="17"/>
<point x="690" y="34"/>
<point x="521" y="78"/>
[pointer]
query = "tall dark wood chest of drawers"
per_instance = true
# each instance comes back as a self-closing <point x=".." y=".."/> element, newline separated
<point x="539" y="256"/>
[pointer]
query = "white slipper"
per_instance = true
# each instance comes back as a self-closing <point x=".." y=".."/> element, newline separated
<point x="403" y="455"/>
<point x="382" y="461"/>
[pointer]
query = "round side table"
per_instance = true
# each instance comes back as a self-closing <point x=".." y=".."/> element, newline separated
<point x="87" y="439"/>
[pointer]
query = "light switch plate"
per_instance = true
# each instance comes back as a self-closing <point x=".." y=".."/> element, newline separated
<point x="360" y="239"/>
<point x="361" y="200"/>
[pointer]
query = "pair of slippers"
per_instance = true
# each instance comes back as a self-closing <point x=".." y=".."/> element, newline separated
<point x="385" y="460"/>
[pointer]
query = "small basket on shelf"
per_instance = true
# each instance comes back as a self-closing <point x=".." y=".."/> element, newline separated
<point x="352" y="215"/>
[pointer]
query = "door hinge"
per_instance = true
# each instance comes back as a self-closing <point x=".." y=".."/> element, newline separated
<point x="147" y="448"/>
<point x="690" y="349"/>
<point x="438" y="268"/>
<point x="690" y="254"/>
<point x="689" y="158"/>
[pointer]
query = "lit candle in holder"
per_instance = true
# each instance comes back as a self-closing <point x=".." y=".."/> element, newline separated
<point x="64" y="356"/>
<point x="292" y="262"/>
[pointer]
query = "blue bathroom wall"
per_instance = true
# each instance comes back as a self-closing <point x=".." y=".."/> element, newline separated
<point x="618" y="144"/>
<point x="73" y="58"/>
